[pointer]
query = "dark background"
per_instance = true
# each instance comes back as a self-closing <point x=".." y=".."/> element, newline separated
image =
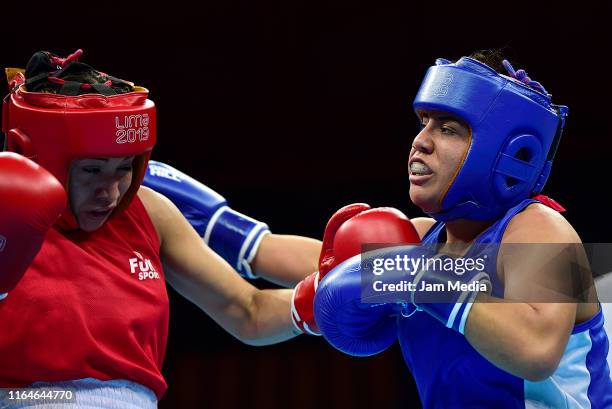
<point x="294" y="108"/>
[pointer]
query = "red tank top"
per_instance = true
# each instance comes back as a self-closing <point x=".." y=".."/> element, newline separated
<point x="90" y="305"/>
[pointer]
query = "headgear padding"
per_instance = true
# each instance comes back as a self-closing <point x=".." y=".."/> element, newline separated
<point x="514" y="130"/>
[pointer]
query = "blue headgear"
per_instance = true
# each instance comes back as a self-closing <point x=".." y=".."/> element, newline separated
<point x="515" y="131"/>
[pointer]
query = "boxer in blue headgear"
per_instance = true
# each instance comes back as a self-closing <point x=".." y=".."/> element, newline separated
<point x="515" y="130"/>
<point x="524" y="339"/>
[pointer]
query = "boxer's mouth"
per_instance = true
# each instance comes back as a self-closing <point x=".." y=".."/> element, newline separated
<point x="100" y="213"/>
<point x="419" y="168"/>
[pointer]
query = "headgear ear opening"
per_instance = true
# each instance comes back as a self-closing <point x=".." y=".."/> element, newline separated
<point x="515" y="170"/>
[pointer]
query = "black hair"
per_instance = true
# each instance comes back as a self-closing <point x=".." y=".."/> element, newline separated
<point x="492" y="57"/>
<point x="46" y="72"/>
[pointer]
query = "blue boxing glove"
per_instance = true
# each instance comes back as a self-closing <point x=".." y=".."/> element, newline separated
<point x="232" y="235"/>
<point x="357" y="303"/>
<point x="353" y="327"/>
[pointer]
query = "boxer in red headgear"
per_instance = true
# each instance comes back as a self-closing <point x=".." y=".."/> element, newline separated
<point x="88" y="307"/>
<point x="55" y="129"/>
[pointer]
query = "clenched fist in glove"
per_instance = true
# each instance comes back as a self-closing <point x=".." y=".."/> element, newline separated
<point x="348" y="230"/>
<point x="31" y="200"/>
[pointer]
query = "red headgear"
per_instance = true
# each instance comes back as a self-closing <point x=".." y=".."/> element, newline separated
<point x="53" y="130"/>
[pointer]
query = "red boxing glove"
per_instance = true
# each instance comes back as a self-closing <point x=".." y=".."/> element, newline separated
<point x="328" y="258"/>
<point x="346" y="232"/>
<point x="302" y="308"/>
<point x="32" y="200"/>
<point x="383" y="225"/>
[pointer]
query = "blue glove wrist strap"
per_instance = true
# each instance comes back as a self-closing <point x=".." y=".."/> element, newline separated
<point x="236" y="238"/>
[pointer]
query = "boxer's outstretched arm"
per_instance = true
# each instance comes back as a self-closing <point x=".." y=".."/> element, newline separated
<point x="285" y="260"/>
<point x="245" y="243"/>
<point x="254" y="316"/>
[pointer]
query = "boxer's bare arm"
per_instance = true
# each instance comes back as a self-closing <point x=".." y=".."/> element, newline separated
<point x="254" y="316"/>
<point x="528" y="336"/>
<point x="285" y="259"/>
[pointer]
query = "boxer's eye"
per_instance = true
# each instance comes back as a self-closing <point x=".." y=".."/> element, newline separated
<point x="447" y="130"/>
<point x="91" y="170"/>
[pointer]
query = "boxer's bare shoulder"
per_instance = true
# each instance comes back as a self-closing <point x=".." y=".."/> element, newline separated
<point x="160" y="209"/>
<point x="151" y="200"/>
<point x="540" y="224"/>
<point x="422" y="225"/>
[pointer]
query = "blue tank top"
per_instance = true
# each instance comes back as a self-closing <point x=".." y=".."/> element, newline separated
<point x="449" y="373"/>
